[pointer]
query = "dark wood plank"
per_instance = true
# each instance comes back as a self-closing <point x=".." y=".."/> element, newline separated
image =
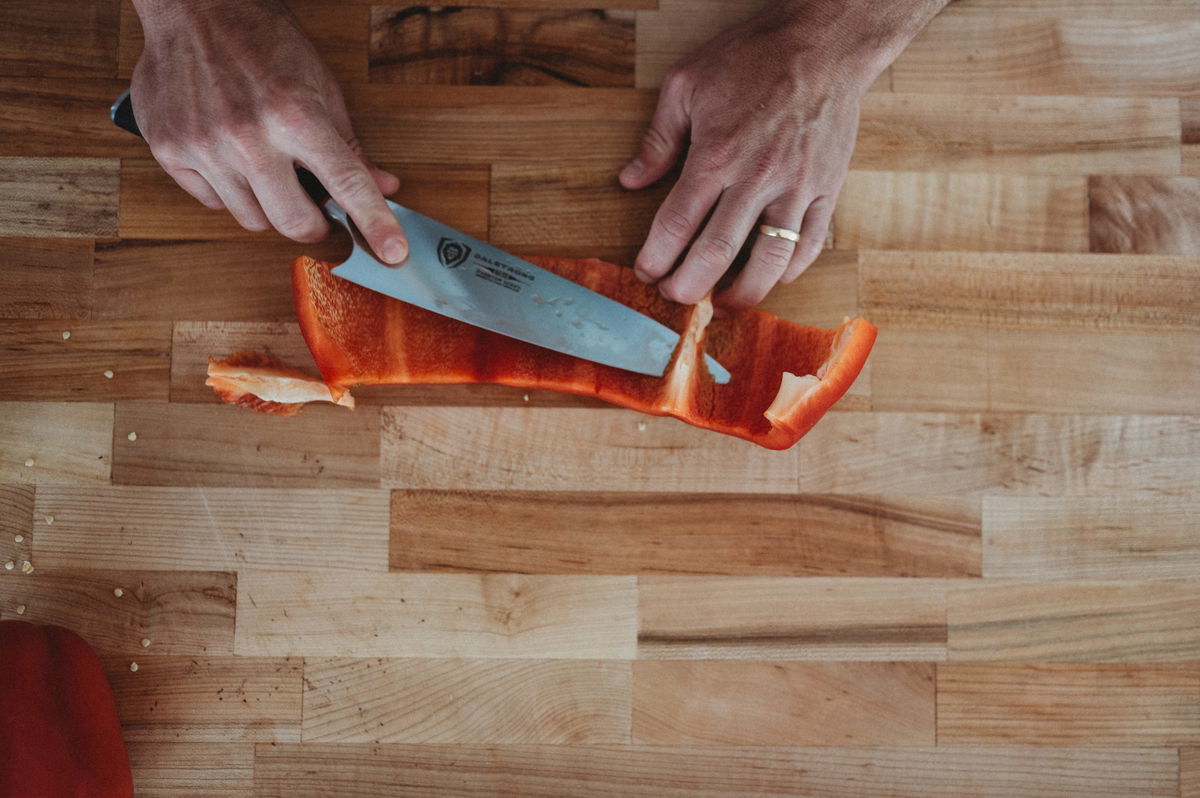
<point x="203" y="445"/>
<point x="501" y="46"/>
<point x="45" y="278"/>
<point x="59" y="38"/>
<point x="52" y="117"/>
<point x="1149" y="215"/>
<point x="651" y="533"/>
<point x="89" y="361"/>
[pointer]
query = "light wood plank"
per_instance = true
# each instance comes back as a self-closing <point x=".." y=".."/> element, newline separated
<point x="436" y="615"/>
<point x="59" y="38"/>
<point x="1028" y="291"/>
<point x="212" y="528"/>
<point x="935" y="370"/>
<point x="791" y="619"/>
<point x="1075" y="622"/>
<point x="98" y="362"/>
<point x="154" y="207"/>
<point x="709" y="771"/>
<point x="207" y="699"/>
<point x="49" y="117"/>
<point x="479" y="125"/>
<point x="961" y="211"/>
<point x="499" y="46"/>
<point x="1090" y="538"/>
<point x="63" y="442"/>
<point x="163" y="769"/>
<point x="564" y="702"/>
<point x="45" y="278"/>
<point x="179" y="612"/>
<point x="647" y="533"/>
<point x="338" y="31"/>
<point x="1068" y="705"/>
<point x="783" y="703"/>
<point x="1189" y="772"/>
<point x="202" y="445"/>
<point x="1050" y="52"/>
<point x="1144" y="214"/>
<point x="541" y="205"/>
<point x="434" y="448"/>
<point x="62" y="197"/>
<point x="1021" y="134"/>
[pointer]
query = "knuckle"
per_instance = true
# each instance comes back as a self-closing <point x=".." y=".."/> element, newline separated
<point x="654" y="139"/>
<point x="716" y="156"/>
<point x="350" y="183"/>
<point x="776" y="254"/>
<point x="716" y="249"/>
<point x="300" y="228"/>
<point x="681" y="294"/>
<point x="674" y="224"/>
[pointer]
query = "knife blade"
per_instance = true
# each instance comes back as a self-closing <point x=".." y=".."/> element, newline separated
<point x="452" y="274"/>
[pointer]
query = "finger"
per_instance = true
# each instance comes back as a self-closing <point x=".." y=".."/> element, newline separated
<point x="288" y="208"/>
<point x="236" y="195"/>
<point x="812" y="237"/>
<point x="662" y="142"/>
<point x="714" y="250"/>
<point x="677" y="220"/>
<point x="194" y="183"/>
<point x="387" y="182"/>
<point x="770" y="256"/>
<point x="354" y="188"/>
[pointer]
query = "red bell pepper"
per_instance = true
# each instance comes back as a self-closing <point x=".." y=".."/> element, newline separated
<point x="59" y="733"/>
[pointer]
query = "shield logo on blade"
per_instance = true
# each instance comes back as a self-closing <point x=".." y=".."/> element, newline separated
<point x="452" y="253"/>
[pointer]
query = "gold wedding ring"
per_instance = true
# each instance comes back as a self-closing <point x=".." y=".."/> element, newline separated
<point x="779" y="232"/>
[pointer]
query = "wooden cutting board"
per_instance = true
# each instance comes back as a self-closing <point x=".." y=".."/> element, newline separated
<point x="979" y="575"/>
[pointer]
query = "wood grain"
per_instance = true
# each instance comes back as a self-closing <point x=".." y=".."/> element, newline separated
<point x="783" y="703"/>
<point x="1075" y="622"/>
<point x="791" y="619"/>
<point x="200" y="445"/>
<point x="1144" y="214"/>
<point x="961" y="211"/>
<point x="501" y="46"/>
<point x="184" y="613"/>
<point x="648" y="533"/>
<point x="16" y="524"/>
<point x="1068" y="705"/>
<point x="55" y="442"/>
<point x="212" y="528"/>
<point x="1190" y="110"/>
<point x="48" y="117"/>
<point x="98" y="362"/>
<point x="60" y="197"/>
<point x="712" y="771"/>
<point x="1036" y="51"/>
<point x="426" y="449"/>
<point x="1090" y="538"/>
<point x="208" y="699"/>
<point x="45" y="278"/>
<point x="185" y="769"/>
<point x="1018" y="134"/>
<point x="436" y="615"/>
<point x="1189" y="772"/>
<point x="565" y="702"/>
<point x="59" y="38"/>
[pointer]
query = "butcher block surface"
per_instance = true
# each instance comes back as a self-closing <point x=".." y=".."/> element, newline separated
<point x="979" y="575"/>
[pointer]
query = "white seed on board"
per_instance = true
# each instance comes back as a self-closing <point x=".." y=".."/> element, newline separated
<point x="20" y="609"/>
<point x="19" y="538"/>
<point x="49" y="520"/>
<point x="133" y="666"/>
<point x="8" y="566"/>
<point x="27" y="567"/>
<point x="66" y="334"/>
<point x="29" y="463"/>
<point x="145" y="642"/>
<point x="641" y="426"/>
<point x="132" y="436"/>
<point x="108" y="374"/>
<point x="118" y="592"/>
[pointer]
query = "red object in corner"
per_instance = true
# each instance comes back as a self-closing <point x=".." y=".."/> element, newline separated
<point x="59" y="733"/>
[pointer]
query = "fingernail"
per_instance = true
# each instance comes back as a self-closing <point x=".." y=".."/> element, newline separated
<point x="393" y="250"/>
<point x="633" y="170"/>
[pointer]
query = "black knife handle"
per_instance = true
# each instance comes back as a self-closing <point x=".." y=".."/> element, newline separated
<point x="122" y="116"/>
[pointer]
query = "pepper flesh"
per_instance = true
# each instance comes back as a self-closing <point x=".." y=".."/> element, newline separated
<point x="59" y="731"/>
<point x="360" y="337"/>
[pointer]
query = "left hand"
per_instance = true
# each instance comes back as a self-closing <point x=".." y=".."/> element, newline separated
<point x="772" y="110"/>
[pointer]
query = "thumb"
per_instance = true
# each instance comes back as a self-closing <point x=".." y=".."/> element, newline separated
<point x="662" y="143"/>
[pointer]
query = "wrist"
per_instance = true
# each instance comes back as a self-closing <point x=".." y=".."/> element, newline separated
<point x="168" y="16"/>
<point x="858" y="38"/>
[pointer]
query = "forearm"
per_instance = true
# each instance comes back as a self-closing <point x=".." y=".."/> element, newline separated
<point x="860" y="36"/>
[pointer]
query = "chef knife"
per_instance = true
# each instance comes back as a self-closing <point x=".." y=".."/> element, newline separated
<point x="452" y="274"/>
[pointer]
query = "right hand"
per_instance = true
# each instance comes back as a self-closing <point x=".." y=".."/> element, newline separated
<point x="231" y="96"/>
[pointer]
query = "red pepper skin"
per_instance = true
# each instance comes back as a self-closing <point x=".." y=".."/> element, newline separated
<point x="59" y="733"/>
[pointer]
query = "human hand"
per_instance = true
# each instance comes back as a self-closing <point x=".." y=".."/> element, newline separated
<point x="231" y="97"/>
<point x="772" y="109"/>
